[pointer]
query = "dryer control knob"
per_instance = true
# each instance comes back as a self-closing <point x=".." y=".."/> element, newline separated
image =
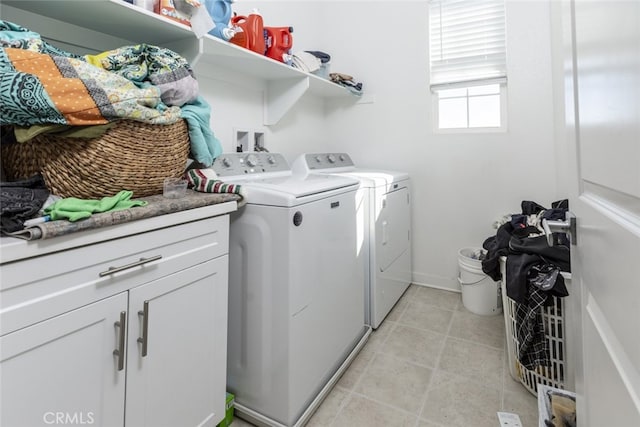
<point x="227" y="162"/>
<point x="331" y="158"/>
<point x="318" y="159"/>
<point x="342" y="158"/>
<point x="252" y="160"/>
<point x="271" y="160"/>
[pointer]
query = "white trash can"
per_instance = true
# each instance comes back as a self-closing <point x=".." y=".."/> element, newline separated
<point x="480" y="294"/>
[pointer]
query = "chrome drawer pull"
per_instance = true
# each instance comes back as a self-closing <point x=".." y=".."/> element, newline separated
<point x="122" y="324"/>
<point x="142" y="261"/>
<point x="145" y="327"/>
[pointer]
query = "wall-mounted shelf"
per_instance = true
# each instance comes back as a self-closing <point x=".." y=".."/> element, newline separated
<point x="284" y="84"/>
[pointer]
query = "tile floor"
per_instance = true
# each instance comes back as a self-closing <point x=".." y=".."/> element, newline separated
<point x="431" y="363"/>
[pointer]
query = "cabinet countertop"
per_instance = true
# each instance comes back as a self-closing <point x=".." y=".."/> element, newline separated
<point x="172" y="213"/>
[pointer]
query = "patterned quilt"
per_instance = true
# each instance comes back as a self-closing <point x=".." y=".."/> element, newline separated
<point x="41" y="84"/>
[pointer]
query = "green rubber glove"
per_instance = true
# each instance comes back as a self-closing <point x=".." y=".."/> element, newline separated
<point x="75" y="209"/>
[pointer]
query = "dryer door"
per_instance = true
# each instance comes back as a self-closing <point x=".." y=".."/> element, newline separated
<point x="392" y="227"/>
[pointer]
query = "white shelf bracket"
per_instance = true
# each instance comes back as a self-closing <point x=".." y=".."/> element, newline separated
<point x="281" y="95"/>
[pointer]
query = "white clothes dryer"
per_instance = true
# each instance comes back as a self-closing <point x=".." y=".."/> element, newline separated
<point x="295" y="288"/>
<point x="384" y="224"/>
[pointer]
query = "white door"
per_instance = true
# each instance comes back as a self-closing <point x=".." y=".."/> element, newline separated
<point x="603" y="117"/>
<point x="176" y="370"/>
<point x="62" y="371"/>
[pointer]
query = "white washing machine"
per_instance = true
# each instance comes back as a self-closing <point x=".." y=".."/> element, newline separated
<point x="384" y="221"/>
<point x="295" y="288"/>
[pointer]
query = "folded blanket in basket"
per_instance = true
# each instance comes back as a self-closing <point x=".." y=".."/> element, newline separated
<point x="163" y="68"/>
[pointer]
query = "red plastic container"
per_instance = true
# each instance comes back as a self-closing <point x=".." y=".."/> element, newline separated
<point x="252" y="35"/>
<point x="278" y="41"/>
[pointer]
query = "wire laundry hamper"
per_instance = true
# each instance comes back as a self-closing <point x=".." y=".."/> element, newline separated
<point x="560" y="373"/>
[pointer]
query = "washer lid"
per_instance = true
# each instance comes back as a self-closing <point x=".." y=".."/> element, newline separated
<point x="288" y="191"/>
<point x="302" y="186"/>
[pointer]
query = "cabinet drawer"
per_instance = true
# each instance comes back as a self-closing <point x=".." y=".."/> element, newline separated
<point x="39" y="288"/>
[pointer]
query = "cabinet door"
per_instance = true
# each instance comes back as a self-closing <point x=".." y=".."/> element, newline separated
<point x="63" y="370"/>
<point x="181" y="378"/>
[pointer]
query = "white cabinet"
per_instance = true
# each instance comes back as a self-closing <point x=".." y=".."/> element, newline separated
<point x="284" y="85"/>
<point x="176" y="361"/>
<point x="64" y="367"/>
<point x="129" y="331"/>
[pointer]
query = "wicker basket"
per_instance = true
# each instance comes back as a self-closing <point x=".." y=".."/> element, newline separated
<point x="130" y="156"/>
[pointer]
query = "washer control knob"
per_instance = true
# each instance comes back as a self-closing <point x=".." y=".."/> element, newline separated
<point x="271" y="160"/>
<point x="227" y="162"/>
<point x="342" y="158"/>
<point x="331" y="158"/>
<point x="318" y="159"/>
<point x="252" y="160"/>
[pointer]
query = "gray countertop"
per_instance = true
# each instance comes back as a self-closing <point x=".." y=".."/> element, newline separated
<point x="158" y="213"/>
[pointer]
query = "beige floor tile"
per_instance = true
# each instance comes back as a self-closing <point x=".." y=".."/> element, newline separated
<point x="511" y="384"/>
<point x="424" y="423"/>
<point x="522" y="402"/>
<point x="475" y="361"/>
<point x="349" y="379"/>
<point x="437" y="297"/>
<point x="424" y="316"/>
<point x="362" y="412"/>
<point x="488" y="330"/>
<point x="453" y="400"/>
<point x="326" y="413"/>
<point x="395" y="382"/>
<point x="397" y="310"/>
<point x="378" y="336"/>
<point x="418" y="346"/>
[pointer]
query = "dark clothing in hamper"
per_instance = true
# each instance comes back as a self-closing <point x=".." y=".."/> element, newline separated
<point x="528" y="252"/>
<point x="534" y="348"/>
<point x="532" y="274"/>
<point x="21" y="200"/>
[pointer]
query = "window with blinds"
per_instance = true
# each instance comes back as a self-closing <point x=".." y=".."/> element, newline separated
<point x="468" y="63"/>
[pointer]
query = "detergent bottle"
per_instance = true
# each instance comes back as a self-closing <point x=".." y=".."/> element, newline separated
<point x="278" y="41"/>
<point x="220" y="12"/>
<point x="252" y="35"/>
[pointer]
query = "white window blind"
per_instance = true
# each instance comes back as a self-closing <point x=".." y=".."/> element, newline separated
<point x="467" y="41"/>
